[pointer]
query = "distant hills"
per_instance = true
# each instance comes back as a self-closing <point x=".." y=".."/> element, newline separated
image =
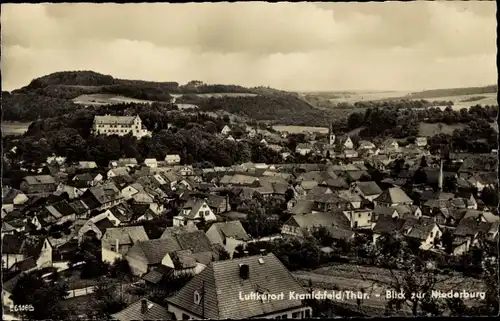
<point x="56" y="93"/>
<point x="71" y="84"/>
<point x="436" y="93"/>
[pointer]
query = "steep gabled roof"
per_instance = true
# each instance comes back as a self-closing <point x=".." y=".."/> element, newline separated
<point x="40" y="180"/>
<point x="369" y="188"/>
<point x="393" y="195"/>
<point x="222" y="285"/>
<point x="233" y="229"/>
<point x="154" y="250"/>
<point x="133" y="312"/>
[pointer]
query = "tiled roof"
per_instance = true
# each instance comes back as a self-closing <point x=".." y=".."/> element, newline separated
<point x="336" y="183"/>
<point x="126" y="120"/>
<point x="40" y="180"/>
<point x="326" y="198"/>
<point x="11" y="244"/>
<point x="104" y="224"/>
<point x="153" y="251"/>
<point x="421" y="231"/>
<point x="393" y="195"/>
<point x="9" y="194"/>
<point x="339" y="233"/>
<point x="222" y="285"/>
<point x="10" y="284"/>
<point x="183" y="259"/>
<point x="24" y="265"/>
<point x="174" y="230"/>
<point x="386" y="224"/>
<point x="195" y="241"/>
<point x="369" y="188"/>
<point x="153" y="312"/>
<point x="324" y="219"/>
<point x="302" y="207"/>
<point x="153" y="276"/>
<point x="233" y="229"/>
<point x="125" y="235"/>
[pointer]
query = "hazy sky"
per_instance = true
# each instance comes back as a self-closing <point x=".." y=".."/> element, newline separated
<point x="292" y="46"/>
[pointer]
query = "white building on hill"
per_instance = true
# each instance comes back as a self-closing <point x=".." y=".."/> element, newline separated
<point x="119" y="125"/>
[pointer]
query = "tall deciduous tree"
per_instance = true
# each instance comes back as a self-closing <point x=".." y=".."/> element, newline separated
<point x="45" y="297"/>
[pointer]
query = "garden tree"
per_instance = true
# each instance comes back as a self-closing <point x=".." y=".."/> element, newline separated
<point x="106" y="300"/>
<point x="45" y="297"/>
<point x="222" y="254"/>
<point x="411" y="271"/>
<point x="450" y="184"/>
<point x="423" y="162"/>
<point x="323" y="236"/>
<point x="168" y="286"/>
<point x="446" y="241"/>
<point x="298" y="253"/>
<point x="120" y="269"/>
<point x="490" y="195"/>
<point x="491" y="304"/>
<point x="289" y="195"/>
<point x="420" y="177"/>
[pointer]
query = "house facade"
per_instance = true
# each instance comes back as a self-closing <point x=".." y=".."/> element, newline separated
<point x="119" y="125"/>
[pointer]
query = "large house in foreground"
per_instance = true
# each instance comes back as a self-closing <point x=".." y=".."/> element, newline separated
<point x="119" y="125"/>
<point x="223" y="290"/>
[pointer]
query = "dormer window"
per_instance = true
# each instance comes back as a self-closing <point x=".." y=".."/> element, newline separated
<point x="197" y="297"/>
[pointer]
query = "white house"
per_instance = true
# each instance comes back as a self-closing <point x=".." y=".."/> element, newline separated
<point x="421" y="141"/>
<point x="228" y="234"/>
<point x="173" y="159"/>
<point x="367" y="190"/>
<point x="119" y="125"/>
<point x="360" y="219"/>
<point x="194" y="211"/>
<point x="426" y="234"/>
<point x="116" y="242"/>
<point x="12" y="197"/>
<point x="151" y="162"/>
<point x="303" y="149"/>
<point x="348" y="144"/>
<point x="226" y="130"/>
<point x="119" y="171"/>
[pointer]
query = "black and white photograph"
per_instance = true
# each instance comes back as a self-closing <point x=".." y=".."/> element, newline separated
<point x="249" y="160"/>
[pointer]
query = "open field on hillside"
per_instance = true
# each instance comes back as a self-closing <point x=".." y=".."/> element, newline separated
<point x="428" y="130"/>
<point x="459" y="101"/>
<point x="14" y="128"/>
<point x="463" y="101"/>
<point x="107" y="99"/>
<point x="300" y="129"/>
<point x="218" y="95"/>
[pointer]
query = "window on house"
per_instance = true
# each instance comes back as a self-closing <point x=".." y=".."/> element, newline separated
<point x="308" y="313"/>
<point x="197" y="297"/>
<point x="185" y="316"/>
<point x="295" y="315"/>
<point x="284" y="316"/>
<point x="278" y="317"/>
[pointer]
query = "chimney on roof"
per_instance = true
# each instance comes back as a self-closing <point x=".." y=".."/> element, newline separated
<point x="117" y="246"/>
<point x="144" y="306"/>
<point x="244" y="271"/>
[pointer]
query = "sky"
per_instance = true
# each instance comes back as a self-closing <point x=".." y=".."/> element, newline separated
<point x="391" y="46"/>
